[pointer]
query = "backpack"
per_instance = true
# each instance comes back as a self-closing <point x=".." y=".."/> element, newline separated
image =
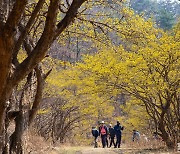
<point x="95" y="132"/>
<point x="103" y="131"/>
<point x="112" y="132"/>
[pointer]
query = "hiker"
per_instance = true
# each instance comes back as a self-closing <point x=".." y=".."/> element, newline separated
<point x="111" y="135"/>
<point x="118" y="128"/>
<point x="103" y="134"/>
<point x="107" y="142"/>
<point x="135" y="136"/>
<point x="95" y="133"/>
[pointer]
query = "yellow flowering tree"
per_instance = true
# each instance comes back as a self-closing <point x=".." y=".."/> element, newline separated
<point x="145" y="66"/>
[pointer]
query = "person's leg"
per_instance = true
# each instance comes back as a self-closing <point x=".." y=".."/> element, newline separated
<point x="107" y="141"/>
<point x="133" y="139"/>
<point x="95" y="141"/>
<point x="103" y="139"/>
<point x="112" y="140"/>
<point x="118" y="141"/>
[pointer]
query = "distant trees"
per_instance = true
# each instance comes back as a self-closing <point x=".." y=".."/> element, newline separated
<point x="56" y="119"/>
<point x="166" y="13"/>
<point x="74" y="108"/>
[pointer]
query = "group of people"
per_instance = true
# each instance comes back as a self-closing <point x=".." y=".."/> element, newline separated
<point x="104" y="132"/>
<point x="109" y="134"/>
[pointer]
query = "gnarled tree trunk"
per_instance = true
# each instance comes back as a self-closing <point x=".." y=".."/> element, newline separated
<point x="10" y="45"/>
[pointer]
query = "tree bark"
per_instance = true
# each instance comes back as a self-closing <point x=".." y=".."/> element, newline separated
<point x="9" y="49"/>
<point x="16" y="137"/>
<point x="165" y="136"/>
<point x="5" y="56"/>
<point x="7" y="33"/>
<point x="7" y="83"/>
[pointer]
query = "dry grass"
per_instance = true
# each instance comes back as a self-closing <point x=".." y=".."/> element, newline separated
<point x="151" y="146"/>
<point x="34" y="144"/>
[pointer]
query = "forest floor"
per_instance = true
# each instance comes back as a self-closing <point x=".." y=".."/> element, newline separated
<point x="122" y="150"/>
<point x="37" y="145"/>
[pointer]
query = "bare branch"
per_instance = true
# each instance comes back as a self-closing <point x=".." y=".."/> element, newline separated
<point x="38" y="97"/>
<point x="27" y="27"/>
<point x="70" y="15"/>
<point x="14" y="17"/>
<point x="42" y="46"/>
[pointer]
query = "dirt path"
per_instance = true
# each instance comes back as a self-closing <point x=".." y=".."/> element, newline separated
<point x="90" y="150"/>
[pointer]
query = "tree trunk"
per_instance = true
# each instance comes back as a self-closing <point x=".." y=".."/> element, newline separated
<point x="165" y="136"/>
<point x="5" y="61"/>
<point x="16" y="137"/>
<point x="8" y="80"/>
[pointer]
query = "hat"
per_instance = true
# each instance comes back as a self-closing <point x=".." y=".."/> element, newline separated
<point x="102" y="122"/>
<point x="110" y="125"/>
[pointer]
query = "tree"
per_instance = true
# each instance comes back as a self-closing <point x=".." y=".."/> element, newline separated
<point x="32" y="26"/>
<point x="145" y="66"/>
<point x="165" y="13"/>
<point x="145" y="6"/>
<point x="56" y="119"/>
<point x="15" y="32"/>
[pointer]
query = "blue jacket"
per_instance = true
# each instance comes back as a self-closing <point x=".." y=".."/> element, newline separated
<point x="118" y="129"/>
<point x="95" y="132"/>
<point x="112" y="132"/>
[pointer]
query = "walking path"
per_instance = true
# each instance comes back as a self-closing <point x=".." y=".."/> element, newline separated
<point x="90" y="150"/>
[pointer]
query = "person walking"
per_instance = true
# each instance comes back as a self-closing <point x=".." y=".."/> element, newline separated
<point x="118" y="128"/>
<point x="135" y="136"/>
<point x="107" y="141"/>
<point x="95" y="133"/>
<point x="103" y="134"/>
<point x="111" y="135"/>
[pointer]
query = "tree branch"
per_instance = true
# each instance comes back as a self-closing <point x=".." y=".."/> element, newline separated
<point x="41" y="48"/>
<point x="14" y="17"/>
<point x="70" y="15"/>
<point x="38" y="97"/>
<point x="27" y="27"/>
